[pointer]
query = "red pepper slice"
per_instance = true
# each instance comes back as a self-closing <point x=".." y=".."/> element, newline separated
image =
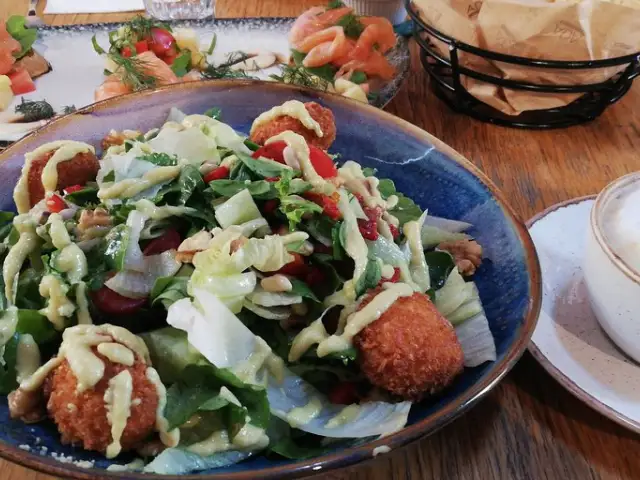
<point x="344" y="393"/>
<point x="55" y="203"/>
<point x="321" y="161"/>
<point x="169" y="240"/>
<point x="273" y="151"/>
<point x="217" y="174"/>
<point x="112" y="303"/>
<point x="73" y="188"/>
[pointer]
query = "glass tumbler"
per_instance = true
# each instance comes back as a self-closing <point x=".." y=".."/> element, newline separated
<point x="180" y="9"/>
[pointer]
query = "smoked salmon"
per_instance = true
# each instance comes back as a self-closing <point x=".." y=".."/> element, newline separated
<point x="324" y="47"/>
<point x="322" y="35"/>
<point x="149" y="64"/>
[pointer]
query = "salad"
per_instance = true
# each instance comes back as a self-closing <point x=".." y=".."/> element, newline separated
<point x="199" y="295"/>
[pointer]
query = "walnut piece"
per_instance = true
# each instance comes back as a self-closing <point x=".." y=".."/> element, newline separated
<point x="118" y="138"/>
<point x="92" y="222"/>
<point x="26" y="405"/>
<point x="467" y="255"/>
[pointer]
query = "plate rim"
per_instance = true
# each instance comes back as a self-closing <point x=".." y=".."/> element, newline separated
<point x="352" y="455"/>
<point x="549" y="366"/>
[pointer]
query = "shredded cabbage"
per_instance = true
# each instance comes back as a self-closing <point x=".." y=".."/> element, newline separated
<point x="237" y="210"/>
<point x="191" y="145"/>
<point x="133" y="284"/>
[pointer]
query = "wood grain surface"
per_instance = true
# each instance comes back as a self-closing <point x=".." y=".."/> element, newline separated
<point x="528" y="427"/>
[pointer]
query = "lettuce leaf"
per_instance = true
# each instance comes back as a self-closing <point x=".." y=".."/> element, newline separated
<point x="16" y="26"/>
<point x="295" y="207"/>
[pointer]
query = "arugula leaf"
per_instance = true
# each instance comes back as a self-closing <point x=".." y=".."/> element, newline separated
<point x="338" y="239"/>
<point x="240" y="172"/>
<point x="110" y="177"/>
<point x="96" y="46"/>
<point x="115" y="246"/>
<point x="168" y="290"/>
<point x="440" y="266"/>
<point x="189" y="182"/>
<point x="295" y="208"/>
<point x="8" y="381"/>
<point x="358" y="77"/>
<point x="36" y="325"/>
<point x="333" y="4"/>
<point x="369" y="172"/>
<point x="6" y="222"/>
<point x="16" y="26"/>
<point x="326" y="72"/>
<point x="260" y="189"/>
<point x="319" y="227"/>
<point x="302" y="289"/>
<point x="86" y="196"/>
<point x="198" y="385"/>
<point x="332" y="281"/>
<point x="406" y="209"/>
<point x="370" y="278"/>
<point x="214" y="112"/>
<point x="182" y="64"/>
<point x="353" y="28"/>
<point x="263" y="168"/>
<point x="170" y="352"/>
<point x="28" y="291"/>
<point x="161" y="159"/>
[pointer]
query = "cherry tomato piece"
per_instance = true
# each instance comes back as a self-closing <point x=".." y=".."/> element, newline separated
<point x="322" y="163"/>
<point x="216" y="174"/>
<point x="170" y="56"/>
<point x="142" y="46"/>
<point x="295" y="268"/>
<point x="55" y="203"/>
<point x="272" y="179"/>
<point x="344" y="393"/>
<point x="127" y="52"/>
<point x="161" y="41"/>
<point x="73" y="188"/>
<point x="21" y="81"/>
<point x="273" y="151"/>
<point x="167" y="241"/>
<point x="108" y="301"/>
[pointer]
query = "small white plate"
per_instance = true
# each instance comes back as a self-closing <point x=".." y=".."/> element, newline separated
<point x="568" y="341"/>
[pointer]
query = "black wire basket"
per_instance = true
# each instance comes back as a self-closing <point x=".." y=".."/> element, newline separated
<point x="446" y="79"/>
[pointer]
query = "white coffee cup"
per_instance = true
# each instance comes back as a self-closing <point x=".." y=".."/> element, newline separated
<point x="612" y="262"/>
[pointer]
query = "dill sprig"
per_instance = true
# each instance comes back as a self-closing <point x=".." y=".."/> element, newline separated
<point x="224" y="70"/>
<point x="131" y="72"/>
<point x="299" y="75"/>
<point x="141" y="26"/>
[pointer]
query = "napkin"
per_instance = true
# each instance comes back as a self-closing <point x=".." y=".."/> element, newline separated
<point x="92" y="6"/>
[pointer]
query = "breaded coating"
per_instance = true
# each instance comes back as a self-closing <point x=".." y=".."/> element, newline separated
<point x="411" y="351"/>
<point x="79" y="170"/>
<point x="280" y="124"/>
<point x="82" y="417"/>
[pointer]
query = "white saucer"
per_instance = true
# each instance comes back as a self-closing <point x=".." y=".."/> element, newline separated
<point x="568" y="341"/>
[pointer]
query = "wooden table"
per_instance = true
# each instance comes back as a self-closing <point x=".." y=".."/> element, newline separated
<point x="528" y="427"/>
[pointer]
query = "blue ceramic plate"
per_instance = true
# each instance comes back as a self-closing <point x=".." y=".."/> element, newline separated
<point x="425" y="169"/>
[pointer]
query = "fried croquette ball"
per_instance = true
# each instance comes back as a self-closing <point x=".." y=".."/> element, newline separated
<point x="280" y="124"/>
<point x="79" y="170"/>
<point x="82" y="417"/>
<point x="411" y="351"/>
